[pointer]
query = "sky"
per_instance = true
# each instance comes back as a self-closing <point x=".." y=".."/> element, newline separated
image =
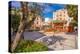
<point x="48" y="11"/>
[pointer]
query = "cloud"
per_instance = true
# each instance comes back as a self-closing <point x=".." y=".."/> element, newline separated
<point x="47" y="9"/>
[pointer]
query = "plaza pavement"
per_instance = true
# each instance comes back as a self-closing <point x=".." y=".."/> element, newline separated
<point x="54" y="41"/>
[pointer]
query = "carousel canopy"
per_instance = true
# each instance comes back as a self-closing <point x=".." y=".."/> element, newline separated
<point x="58" y="21"/>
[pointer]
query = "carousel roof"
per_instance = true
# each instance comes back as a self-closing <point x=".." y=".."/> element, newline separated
<point x="59" y="21"/>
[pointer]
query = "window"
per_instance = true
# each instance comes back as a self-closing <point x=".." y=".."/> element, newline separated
<point x="37" y="18"/>
<point x="64" y="12"/>
<point x="60" y="15"/>
<point x="37" y="22"/>
<point x="60" y="18"/>
<point x="57" y="15"/>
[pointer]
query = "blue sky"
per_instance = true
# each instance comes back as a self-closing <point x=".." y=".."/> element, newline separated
<point x="48" y="8"/>
<point x="16" y="4"/>
<point x="48" y="12"/>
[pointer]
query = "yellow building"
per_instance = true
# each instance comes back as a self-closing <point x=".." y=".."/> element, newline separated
<point x="61" y="14"/>
<point x="61" y="21"/>
<point x="38" y="23"/>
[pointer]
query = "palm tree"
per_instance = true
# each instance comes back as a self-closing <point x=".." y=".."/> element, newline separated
<point x="73" y="12"/>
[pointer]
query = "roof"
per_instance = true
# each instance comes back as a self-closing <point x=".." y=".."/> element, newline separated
<point x="58" y="21"/>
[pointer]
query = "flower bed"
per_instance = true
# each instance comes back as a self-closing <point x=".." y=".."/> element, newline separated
<point x="30" y="46"/>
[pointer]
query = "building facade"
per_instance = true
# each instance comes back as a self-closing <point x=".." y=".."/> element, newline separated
<point x="63" y="21"/>
<point x="61" y="14"/>
<point x="38" y="23"/>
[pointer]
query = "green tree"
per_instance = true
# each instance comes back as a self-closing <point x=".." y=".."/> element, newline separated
<point x="73" y="12"/>
<point x="21" y="27"/>
<point x="34" y="10"/>
<point x="15" y="22"/>
<point x="25" y="21"/>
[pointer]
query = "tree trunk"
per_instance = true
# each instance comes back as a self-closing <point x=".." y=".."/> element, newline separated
<point x="21" y="26"/>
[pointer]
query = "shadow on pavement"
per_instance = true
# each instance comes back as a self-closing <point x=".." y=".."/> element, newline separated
<point x="72" y="33"/>
<point x="53" y="39"/>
